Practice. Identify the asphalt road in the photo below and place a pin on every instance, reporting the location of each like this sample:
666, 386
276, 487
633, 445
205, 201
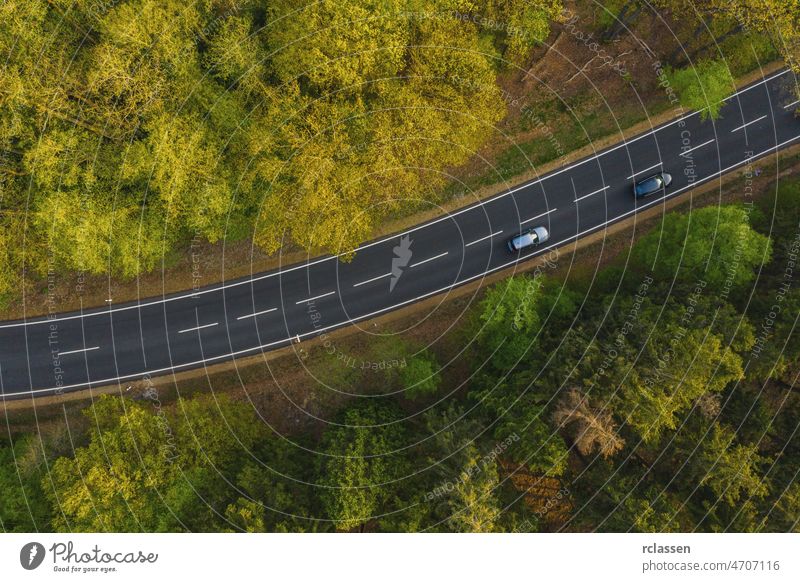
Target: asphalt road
126, 342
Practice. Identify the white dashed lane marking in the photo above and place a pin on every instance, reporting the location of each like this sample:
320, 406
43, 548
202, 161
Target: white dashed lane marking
198, 327
592, 193
378, 278
499, 232
428, 260
697, 147
78, 351
658, 165
539, 216
257, 313
315, 298
749, 123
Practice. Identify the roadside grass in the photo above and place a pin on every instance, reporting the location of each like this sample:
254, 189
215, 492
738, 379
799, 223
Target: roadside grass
592, 126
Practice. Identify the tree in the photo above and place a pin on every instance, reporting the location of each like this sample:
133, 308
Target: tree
136, 126
731, 471
774, 18
527, 24
150, 469
784, 515
361, 464
342, 45
591, 429
7, 274
421, 376
669, 376
473, 505
115, 483
715, 245
23, 507
703, 86
463, 496
508, 321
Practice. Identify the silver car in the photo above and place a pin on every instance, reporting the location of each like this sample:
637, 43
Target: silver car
528, 238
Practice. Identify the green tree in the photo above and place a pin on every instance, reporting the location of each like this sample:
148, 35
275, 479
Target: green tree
524, 24
463, 494
421, 376
150, 469
730, 470
23, 507
660, 367
473, 505
362, 463
703, 86
509, 321
715, 245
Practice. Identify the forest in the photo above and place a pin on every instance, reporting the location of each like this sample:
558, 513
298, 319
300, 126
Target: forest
129, 128
661, 397
658, 396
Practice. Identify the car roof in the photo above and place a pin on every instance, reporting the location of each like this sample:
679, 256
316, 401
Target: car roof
650, 183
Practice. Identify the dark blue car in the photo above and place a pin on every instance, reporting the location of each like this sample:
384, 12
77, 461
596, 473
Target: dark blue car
652, 184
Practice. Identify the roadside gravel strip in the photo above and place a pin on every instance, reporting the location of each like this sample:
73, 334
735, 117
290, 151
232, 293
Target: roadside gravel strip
125, 342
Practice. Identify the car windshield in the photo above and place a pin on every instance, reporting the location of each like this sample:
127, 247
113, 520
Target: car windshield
650, 184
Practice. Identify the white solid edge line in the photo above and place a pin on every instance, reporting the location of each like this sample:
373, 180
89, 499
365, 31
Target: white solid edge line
593, 193
428, 260
394, 236
541, 251
749, 123
315, 298
469, 244
198, 327
658, 165
371, 280
697, 147
257, 313
538, 216
78, 351
791, 104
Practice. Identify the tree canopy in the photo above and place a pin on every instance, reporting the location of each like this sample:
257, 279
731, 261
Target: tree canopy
131, 127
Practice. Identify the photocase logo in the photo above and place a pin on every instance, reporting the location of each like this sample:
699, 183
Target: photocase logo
31, 555
402, 255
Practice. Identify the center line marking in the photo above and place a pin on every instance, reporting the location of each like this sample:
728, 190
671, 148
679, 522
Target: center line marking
78, 351
314, 298
539, 216
658, 165
257, 313
483, 239
791, 104
428, 260
373, 279
749, 123
696, 147
593, 193
198, 328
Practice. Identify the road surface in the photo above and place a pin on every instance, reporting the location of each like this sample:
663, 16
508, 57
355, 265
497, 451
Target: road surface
126, 342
